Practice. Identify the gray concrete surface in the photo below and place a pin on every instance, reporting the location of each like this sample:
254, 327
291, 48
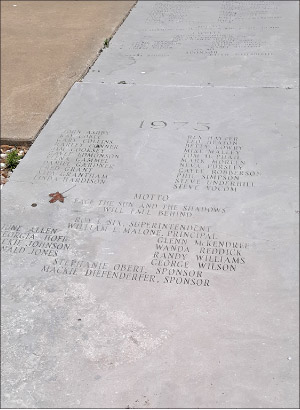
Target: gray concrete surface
45, 47
205, 43
168, 276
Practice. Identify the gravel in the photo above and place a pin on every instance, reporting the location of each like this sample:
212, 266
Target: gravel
5, 149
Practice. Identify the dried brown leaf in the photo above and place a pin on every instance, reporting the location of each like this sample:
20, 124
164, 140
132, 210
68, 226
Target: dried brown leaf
56, 197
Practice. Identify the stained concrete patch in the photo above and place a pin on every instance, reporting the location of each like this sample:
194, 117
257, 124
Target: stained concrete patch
71, 312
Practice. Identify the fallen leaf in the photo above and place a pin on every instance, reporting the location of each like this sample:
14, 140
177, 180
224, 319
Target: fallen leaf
56, 197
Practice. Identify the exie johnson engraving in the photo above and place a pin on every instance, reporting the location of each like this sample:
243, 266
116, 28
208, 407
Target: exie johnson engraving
178, 252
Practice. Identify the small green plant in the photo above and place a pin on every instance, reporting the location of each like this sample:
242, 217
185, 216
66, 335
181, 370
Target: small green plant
12, 159
106, 43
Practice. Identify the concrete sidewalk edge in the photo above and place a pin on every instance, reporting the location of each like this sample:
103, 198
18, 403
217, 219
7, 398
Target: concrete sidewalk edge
27, 142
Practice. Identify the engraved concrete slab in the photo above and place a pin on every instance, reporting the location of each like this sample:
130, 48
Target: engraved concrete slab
219, 43
167, 277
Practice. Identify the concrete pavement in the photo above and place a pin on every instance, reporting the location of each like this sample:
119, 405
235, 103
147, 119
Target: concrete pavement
46, 47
